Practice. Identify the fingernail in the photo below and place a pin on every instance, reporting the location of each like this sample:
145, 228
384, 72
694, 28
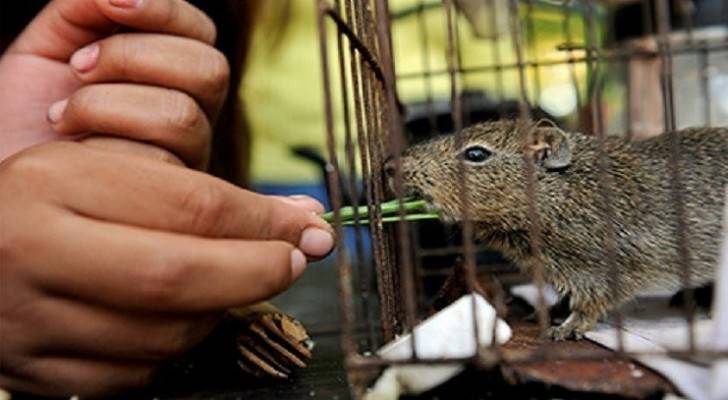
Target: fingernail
84, 60
298, 263
126, 3
316, 242
308, 203
56, 111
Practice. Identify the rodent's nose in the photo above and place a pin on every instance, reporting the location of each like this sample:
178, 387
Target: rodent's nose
389, 167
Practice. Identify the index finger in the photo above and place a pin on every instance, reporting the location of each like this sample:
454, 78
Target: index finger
176, 17
149, 194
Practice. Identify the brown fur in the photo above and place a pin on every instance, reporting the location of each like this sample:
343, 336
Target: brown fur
571, 208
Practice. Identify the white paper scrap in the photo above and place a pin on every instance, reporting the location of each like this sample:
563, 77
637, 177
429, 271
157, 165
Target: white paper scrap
448, 334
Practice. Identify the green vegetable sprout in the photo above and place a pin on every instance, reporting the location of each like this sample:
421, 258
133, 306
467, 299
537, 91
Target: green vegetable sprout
414, 210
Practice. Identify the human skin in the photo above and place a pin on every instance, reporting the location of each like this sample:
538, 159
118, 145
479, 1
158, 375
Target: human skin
113, 256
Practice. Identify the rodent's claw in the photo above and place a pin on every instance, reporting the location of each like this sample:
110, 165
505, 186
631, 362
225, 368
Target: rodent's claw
561, 333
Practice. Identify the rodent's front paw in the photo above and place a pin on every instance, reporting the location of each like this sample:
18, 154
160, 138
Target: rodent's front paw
561, 332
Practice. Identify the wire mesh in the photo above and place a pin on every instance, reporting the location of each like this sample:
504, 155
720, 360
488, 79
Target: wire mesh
616, 64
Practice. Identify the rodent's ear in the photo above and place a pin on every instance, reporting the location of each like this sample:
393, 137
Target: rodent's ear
550, 148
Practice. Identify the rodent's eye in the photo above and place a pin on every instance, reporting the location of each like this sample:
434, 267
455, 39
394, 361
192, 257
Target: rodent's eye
476, 154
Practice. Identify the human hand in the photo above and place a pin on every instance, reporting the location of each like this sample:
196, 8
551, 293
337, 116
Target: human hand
160, 82
112, 263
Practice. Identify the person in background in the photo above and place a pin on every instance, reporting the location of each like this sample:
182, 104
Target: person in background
117, 249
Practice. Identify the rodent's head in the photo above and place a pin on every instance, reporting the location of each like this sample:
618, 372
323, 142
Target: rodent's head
492, 157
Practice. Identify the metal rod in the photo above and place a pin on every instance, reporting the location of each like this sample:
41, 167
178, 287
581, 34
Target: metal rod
674, 164
534, 231
345, 290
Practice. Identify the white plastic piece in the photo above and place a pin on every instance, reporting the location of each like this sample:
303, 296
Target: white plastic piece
4, 395
448, 334
529, 293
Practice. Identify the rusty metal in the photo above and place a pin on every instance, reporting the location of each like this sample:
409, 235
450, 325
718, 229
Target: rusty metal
345, 275
681, 234
606, 55
388, 297
601, 373
524, 113
605, 181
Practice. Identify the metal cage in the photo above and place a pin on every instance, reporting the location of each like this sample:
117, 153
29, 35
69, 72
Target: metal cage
620, 62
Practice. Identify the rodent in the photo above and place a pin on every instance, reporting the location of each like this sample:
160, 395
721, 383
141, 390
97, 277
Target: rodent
570, 206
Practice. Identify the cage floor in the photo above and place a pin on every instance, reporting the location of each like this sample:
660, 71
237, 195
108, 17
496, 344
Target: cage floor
313, 300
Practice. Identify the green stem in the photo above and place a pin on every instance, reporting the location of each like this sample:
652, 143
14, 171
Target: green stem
414, 210
385, 220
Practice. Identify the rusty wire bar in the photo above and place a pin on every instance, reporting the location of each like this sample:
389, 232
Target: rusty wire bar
497, 61
569, 38
345, 289
453, 62
604, 165
362, 282
396, 144
426, 67
534, 231
682, 235
606, 55
359, 362
531, 40
372, 87
355, 66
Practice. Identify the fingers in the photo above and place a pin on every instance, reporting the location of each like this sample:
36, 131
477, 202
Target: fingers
164, 117
164, 272
175, 17
69, 376
306, 202
152, 195
130, 147
161, 60
109, 334
64, 26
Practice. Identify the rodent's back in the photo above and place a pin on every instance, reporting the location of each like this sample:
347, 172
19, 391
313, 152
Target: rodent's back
703, 176
643, 208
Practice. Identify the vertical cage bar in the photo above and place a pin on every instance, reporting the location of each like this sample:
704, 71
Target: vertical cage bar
396, 145
533, 57
535, 234
678, 200
355, 66
604, 166
351, 165
345, 284
497, 59
569, 38
426, 66
453, 66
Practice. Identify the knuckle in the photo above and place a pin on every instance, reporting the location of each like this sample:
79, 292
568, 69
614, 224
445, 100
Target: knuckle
186, 114
125, 50
167, 157
142, 378
217, 73
80, 101
208, 29
279, 277
171, 13
162, 282
135, 379
206, 206
31, 167
170, 345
